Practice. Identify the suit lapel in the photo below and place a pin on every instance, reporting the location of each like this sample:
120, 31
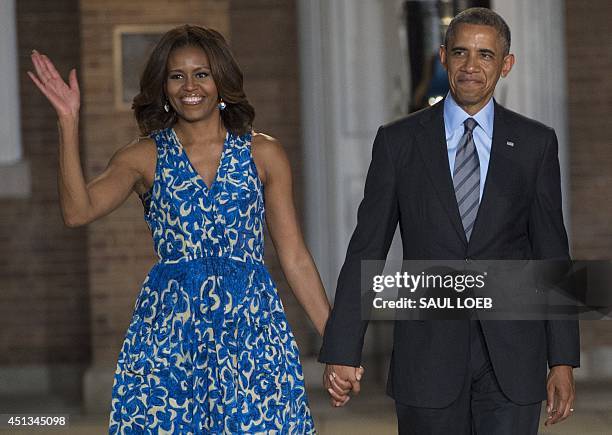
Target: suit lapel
432, 145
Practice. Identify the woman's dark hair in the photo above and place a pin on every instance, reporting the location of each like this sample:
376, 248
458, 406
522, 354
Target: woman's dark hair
484, 17
148, 105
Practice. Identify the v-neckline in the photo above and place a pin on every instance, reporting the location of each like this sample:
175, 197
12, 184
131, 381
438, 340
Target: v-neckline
194, 170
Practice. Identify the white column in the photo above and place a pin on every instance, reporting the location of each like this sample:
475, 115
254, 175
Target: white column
10, 139
537, 85
14, 170
350, 58
318, 230
351, 82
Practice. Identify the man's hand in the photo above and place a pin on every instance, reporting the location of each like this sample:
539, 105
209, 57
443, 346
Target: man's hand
561, 394
340, 380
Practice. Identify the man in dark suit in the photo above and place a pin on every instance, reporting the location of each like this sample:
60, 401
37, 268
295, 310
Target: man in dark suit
465, 179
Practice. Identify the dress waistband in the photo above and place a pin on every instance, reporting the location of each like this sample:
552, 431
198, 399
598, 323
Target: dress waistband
190, 259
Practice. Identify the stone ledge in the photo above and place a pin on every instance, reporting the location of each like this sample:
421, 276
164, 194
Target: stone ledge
16, 180
60, 379
97, 388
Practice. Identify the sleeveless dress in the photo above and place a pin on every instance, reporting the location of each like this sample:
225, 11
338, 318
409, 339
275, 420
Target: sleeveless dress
209, 349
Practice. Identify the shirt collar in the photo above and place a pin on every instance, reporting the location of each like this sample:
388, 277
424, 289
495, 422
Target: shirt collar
454, 116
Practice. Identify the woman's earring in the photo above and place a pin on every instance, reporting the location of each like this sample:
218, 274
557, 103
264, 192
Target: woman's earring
222, 104
167, 107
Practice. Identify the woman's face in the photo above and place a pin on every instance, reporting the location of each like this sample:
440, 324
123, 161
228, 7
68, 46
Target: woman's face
190, 88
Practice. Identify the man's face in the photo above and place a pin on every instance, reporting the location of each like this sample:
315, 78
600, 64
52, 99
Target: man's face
474, 61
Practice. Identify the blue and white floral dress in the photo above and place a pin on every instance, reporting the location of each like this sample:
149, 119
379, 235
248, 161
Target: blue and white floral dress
209, 349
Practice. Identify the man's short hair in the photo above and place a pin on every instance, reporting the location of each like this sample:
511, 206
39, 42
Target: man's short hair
484, 17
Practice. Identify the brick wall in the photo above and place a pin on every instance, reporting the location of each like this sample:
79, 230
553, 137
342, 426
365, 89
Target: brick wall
43, 265
589, 63
120, 251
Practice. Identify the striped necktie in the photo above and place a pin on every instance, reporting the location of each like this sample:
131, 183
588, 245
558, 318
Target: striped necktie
466, 178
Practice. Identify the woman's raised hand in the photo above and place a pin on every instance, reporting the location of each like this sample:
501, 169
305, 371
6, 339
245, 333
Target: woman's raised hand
65, 97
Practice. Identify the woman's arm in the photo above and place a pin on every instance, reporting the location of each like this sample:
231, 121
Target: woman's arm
80, 202
295, 260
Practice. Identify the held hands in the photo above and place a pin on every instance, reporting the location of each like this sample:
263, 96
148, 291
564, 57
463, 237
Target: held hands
65, 98
560, 394
340, 380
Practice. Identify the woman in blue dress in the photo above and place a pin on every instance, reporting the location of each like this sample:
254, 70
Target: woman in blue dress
208, 349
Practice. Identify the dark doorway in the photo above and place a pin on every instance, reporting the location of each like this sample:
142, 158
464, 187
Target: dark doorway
426, 23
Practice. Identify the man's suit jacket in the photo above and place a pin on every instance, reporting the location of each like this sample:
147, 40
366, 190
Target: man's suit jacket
519, 217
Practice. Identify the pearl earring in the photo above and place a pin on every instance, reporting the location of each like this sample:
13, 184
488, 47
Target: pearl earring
222, 104
167, 107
